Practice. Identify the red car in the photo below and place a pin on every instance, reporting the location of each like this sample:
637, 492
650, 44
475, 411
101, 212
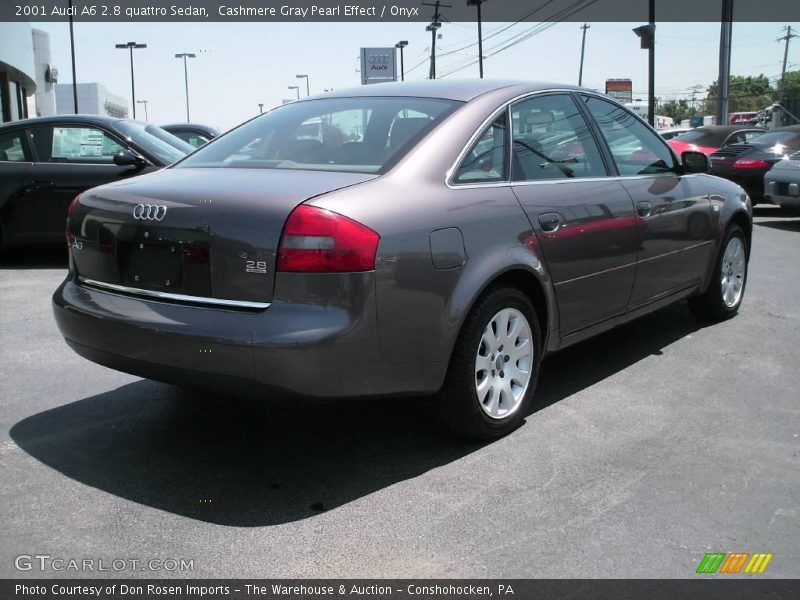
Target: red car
710, 138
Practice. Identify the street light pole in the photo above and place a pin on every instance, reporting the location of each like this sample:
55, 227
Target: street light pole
261, 108
184, 56
402, 44
146, 118
308, 88
478, 3
72, 48
132, 46
296, 89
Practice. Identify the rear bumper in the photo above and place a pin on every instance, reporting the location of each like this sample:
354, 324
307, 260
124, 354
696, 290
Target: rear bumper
775, 183
290, 349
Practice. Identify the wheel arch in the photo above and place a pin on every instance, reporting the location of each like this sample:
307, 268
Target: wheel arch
534, 284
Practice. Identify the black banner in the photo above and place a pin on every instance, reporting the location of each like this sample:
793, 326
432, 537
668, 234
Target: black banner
395, 10
401, 589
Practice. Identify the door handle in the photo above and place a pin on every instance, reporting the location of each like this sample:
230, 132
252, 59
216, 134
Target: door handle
550, 222
32, 186
643, 208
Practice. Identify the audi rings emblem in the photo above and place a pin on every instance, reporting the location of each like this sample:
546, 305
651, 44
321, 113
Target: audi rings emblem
149, 212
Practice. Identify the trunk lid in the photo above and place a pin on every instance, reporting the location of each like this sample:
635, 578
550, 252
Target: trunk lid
210, 232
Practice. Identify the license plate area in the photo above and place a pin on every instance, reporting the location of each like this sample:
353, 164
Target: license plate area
165, 260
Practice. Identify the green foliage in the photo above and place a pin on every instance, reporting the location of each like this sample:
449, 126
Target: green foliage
678, 110
745, 94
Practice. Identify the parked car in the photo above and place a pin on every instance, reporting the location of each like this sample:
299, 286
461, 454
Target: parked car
710, 138
673, 132
192, 133
746, 164
782, 183
445, 252
45, 162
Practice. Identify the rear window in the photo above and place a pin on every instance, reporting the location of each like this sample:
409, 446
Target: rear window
703, 137
785, 138
361, 135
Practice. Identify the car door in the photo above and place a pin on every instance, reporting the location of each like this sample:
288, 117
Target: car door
70, 158
15, 161
673, 211
584, 221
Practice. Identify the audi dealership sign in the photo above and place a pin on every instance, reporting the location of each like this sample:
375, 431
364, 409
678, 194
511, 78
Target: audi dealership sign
378, 65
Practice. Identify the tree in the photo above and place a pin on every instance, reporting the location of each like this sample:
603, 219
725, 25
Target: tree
678, 110
792, 84
745, 94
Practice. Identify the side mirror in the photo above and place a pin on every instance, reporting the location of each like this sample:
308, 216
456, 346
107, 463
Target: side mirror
128, 158
694, 162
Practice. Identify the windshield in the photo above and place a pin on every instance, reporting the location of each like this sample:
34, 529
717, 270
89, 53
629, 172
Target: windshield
164, 146
360, 135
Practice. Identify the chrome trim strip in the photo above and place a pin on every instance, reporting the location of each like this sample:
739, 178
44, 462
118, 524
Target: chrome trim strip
635, 263
178, 297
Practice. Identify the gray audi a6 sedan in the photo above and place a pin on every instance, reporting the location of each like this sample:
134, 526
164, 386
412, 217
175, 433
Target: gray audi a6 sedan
400, 239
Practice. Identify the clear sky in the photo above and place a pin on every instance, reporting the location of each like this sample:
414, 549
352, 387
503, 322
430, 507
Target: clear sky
248, 63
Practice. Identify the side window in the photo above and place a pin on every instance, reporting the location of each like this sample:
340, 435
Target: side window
12, 147
75, 144
636, 149
551, 140
487, 160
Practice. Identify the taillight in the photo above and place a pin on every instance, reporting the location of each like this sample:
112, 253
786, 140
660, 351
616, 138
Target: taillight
751, 163
316, 240
71, 211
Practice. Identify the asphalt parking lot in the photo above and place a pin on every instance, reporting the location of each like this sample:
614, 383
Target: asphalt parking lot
648, 447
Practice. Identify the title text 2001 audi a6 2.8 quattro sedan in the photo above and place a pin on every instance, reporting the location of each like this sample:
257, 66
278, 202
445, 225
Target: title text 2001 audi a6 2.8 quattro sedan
410, 238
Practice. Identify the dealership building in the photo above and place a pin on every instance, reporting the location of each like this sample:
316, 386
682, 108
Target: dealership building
29, 81
17, 72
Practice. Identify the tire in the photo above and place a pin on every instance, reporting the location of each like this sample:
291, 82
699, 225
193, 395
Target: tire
725, 293
488, 400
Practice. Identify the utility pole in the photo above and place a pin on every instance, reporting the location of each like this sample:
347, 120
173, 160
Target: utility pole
583, 48
723, 81
478, 3
433, 28
72, 47
789, 35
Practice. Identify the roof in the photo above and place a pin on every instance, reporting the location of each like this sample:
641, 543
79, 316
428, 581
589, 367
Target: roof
728, 128
450, 89
192, 127
91, 119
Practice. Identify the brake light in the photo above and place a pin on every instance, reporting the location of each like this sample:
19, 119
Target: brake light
750, 163
71, 211
316, 240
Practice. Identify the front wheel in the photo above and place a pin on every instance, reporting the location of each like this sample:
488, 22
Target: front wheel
494, 367
724, 295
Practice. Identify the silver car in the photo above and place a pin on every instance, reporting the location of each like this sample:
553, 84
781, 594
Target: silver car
782, 182
434, 238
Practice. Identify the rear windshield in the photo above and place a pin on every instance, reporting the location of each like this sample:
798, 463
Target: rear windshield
361, 135
703, 137
786, 138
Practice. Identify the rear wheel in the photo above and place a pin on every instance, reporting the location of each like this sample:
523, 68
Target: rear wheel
494, 366
724, 295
